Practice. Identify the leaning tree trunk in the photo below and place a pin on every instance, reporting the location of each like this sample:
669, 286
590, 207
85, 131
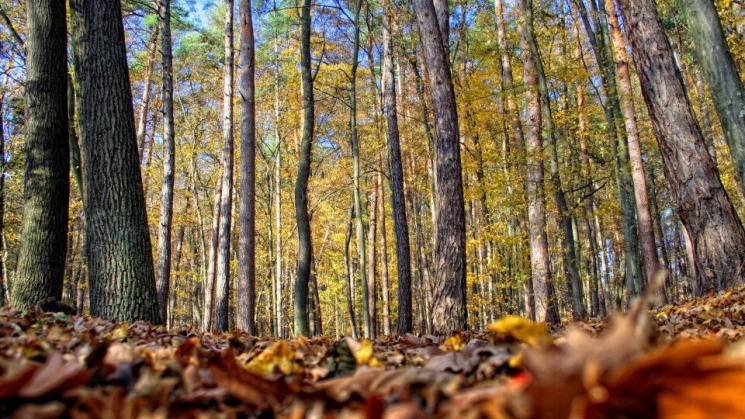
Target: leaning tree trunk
226, 202
717, 236
722, 77
120, 260
169, 156
305, 246
400, 224
46, 187
449, 309
647, 247
247, 224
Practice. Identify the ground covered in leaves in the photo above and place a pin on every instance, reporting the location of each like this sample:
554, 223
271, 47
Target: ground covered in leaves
678, 361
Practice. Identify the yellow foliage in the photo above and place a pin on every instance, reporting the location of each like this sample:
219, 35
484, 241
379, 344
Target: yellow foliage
365, 354
276, 358
523, 330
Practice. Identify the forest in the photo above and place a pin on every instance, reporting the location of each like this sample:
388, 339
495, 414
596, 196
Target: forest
372, 208
363, 168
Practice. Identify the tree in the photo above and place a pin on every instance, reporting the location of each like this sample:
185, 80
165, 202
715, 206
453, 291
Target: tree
226, 163
400, 225
354, 141
43, 246
169, 156
120, 260
722, 77
545, 301
705, 210
247, 221
449, 311
304, 245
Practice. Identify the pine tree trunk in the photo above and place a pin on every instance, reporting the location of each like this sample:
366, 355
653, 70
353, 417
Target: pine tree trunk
449, 310
120, 260
647, 248
400, 223
305, 246
169, 157
717, 236
247, 225
383, 256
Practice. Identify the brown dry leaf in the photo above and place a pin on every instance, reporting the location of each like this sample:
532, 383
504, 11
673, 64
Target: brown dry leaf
690, 379
244, 385
56, 374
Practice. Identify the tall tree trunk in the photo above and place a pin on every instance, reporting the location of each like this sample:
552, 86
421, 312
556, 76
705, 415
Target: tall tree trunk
169, 156
145, 100
120, 259
545, 301
449, 311
400, 224
3, 267
176, 268
372, 293
349, 275
722, 77
569, 252
383, 255
717, 236
647, 248
354, 141
305, 245
43, 239
602, 48
209, 285
277, 196
222, 278
247, 222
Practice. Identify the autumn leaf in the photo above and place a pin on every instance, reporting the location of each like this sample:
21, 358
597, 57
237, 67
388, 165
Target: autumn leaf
277, 358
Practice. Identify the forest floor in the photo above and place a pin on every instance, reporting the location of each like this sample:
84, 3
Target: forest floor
681, 360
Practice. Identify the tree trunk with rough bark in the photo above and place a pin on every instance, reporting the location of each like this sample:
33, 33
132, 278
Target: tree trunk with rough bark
163, 273
716, 234
449, 310
400, 223
43, 239
247, 222
120, 259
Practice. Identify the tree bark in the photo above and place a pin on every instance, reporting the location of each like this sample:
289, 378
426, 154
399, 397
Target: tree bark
449, 311
722, 77
305, 245
209, 285
383, 255
169, 157
43, 239
400, 224
222, 278
647, 248
354, 141
247, 222
717, 236
545, 301
120, 260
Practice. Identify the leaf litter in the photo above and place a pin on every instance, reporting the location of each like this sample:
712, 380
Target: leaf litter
682, 360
